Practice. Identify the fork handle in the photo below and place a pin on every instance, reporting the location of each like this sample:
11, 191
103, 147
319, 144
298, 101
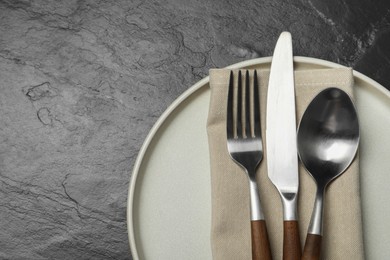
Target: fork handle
291, 241
260, 244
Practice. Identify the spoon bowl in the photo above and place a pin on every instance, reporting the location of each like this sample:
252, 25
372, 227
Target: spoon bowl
328, 139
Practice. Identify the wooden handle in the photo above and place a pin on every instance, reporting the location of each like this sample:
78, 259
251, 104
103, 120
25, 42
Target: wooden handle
291, 241
312, 248
260, 244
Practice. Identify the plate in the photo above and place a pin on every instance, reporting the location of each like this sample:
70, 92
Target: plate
169, 203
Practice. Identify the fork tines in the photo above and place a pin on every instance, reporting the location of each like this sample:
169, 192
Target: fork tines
247, 123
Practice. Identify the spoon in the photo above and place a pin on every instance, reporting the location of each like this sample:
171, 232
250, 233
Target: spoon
328, 139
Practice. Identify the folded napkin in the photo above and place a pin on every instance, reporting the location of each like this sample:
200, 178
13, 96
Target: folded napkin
230, 231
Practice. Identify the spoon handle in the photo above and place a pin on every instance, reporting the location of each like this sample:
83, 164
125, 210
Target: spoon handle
312, 248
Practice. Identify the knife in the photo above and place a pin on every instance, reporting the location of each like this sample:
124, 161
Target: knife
281, 141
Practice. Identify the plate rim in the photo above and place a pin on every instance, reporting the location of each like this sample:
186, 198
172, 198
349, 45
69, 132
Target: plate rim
198, 85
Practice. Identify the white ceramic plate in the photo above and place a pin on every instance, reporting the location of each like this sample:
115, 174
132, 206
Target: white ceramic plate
169, 204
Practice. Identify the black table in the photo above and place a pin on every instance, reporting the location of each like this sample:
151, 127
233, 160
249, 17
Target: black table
82, 82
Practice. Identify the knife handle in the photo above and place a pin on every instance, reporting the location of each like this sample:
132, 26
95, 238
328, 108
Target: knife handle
291, 241
312, 248
261, 249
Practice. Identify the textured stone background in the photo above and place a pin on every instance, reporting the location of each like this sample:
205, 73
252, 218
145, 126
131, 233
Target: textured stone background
82, 82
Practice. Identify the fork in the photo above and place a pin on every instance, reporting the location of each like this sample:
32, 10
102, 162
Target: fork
245, 147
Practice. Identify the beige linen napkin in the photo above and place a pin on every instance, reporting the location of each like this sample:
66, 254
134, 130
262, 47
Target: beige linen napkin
230, 232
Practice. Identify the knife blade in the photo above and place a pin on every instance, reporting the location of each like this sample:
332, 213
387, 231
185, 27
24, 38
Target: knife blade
281, 142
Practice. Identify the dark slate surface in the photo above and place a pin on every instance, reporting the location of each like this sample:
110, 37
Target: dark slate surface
82, 82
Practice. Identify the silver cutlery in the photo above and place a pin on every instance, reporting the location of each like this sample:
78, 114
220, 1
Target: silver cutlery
244, 142
328, 139
281, 144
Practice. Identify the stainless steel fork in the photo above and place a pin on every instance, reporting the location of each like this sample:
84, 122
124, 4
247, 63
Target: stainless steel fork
245, 147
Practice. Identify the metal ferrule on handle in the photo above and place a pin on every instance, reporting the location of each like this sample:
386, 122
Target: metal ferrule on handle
256, 210
315, 226
289, 201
